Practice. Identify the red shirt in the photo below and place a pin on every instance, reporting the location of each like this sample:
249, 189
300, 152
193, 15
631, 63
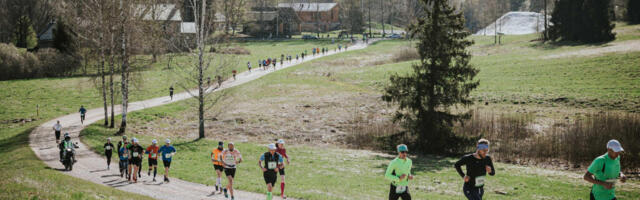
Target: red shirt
153, 152
282, 152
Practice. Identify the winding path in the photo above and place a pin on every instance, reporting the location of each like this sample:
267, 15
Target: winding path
91, 166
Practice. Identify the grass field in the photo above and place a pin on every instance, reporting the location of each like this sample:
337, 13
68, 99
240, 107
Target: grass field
334, 173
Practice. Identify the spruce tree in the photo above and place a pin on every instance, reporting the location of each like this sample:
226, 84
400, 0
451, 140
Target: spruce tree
633, 11
443, 79
588, 21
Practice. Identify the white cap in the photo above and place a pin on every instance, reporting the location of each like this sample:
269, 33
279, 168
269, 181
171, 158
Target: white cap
154, 141
614, 145
135, 140
108, 139
230, 143
271, 146
280, 141
167, 141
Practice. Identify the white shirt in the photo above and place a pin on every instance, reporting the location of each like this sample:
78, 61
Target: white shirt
57, 127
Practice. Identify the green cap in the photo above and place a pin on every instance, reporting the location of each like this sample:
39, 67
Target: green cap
402, 147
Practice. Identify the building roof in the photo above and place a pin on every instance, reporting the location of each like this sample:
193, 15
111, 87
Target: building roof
47, 34
266, 15
309, 7
163, 12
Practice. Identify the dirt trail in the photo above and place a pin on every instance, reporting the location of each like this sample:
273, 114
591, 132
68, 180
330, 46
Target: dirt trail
91, 166
626, 46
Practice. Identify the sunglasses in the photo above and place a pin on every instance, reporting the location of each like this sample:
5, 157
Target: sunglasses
403, 152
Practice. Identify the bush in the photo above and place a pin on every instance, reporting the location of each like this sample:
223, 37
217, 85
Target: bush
15, 64
405, 54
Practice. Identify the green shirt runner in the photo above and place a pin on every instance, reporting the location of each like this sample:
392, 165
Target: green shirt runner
604, 168
397, 168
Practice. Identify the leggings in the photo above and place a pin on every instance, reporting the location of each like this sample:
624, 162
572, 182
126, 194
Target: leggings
395, 196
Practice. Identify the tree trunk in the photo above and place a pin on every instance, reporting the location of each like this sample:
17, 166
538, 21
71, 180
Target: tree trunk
125, 76
104, 88
201, 36
111, 72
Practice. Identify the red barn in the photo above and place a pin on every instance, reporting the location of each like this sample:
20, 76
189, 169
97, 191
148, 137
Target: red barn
316, 16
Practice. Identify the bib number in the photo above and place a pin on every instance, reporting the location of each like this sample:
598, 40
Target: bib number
167, 155
229, 160
271, 165
480, 181
108, 148
153, 155
135, 154
401, 189
612, 181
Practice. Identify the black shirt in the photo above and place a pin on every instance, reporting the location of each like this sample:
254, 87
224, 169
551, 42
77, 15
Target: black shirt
136, 148
271, 158
108, 151
475, 167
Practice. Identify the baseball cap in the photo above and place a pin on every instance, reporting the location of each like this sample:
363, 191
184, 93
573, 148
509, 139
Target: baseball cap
167, 141
135, 140
280, 141
402, 147
220, 143
614, 145
230, 143
154, 141
271, 146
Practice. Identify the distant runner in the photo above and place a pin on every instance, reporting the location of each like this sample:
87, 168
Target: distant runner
57, 129
171, 92
136, 158
216, 158
82, 113
167, 152
249, 66
231, 157
274, 63
399, 173
604, 172
478, 165
234, 74
153, 158
123, 153
272, 162
283, 152
108, 150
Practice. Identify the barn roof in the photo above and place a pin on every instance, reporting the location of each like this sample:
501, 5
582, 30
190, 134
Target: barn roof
309, 7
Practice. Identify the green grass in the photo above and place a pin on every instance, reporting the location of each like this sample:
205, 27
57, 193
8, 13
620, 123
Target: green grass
333, 173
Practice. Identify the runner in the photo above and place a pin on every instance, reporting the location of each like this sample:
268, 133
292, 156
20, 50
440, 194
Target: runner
270, 168
167, 152
283, 152
108, 150
339, 47
171, 92
123, 153
234, 74
57, 128
219, 78
124, 164
274, 63
82, 113
399, 173
249, 66
604, 172
259, 64
314, 51
153, 158
216, 158
478, 165
136, 158
281, 58
296, 57
346, 47
264, 64
231, 157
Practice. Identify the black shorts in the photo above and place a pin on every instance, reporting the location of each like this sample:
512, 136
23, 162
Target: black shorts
270, 177
281, 171
57, 135
218, 167
230, 172
153, 162
167, 164
136, 161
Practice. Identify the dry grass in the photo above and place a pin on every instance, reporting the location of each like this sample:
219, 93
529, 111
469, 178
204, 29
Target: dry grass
406, 54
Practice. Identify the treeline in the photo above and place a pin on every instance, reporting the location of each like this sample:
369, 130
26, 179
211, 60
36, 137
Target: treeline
587, 21
18, 64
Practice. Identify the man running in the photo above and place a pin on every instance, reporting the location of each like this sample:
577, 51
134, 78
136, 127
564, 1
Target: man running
296, 57
123, 153
82, 113
136, 158
108, 150
57, 129
167, 152
153, 158
234, 74
281, 58
231, 157
249, 66
478, 165
216, 158
604, 172
272, 162
274, 63
399, 173
171, 92
283, 152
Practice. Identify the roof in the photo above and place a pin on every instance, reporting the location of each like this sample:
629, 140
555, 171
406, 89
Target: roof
163, 12
188, 27
47, 34
266, 15
309, 7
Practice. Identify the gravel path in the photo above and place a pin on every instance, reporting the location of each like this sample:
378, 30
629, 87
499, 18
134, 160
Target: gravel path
91, 166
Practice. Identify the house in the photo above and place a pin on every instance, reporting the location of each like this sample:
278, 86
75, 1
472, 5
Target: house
316, 16
272, 22
45, 38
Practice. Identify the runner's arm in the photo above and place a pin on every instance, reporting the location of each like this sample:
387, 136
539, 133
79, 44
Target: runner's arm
493, 170
458, 167
388, 174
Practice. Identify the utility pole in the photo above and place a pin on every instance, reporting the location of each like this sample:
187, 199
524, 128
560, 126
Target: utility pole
369, 2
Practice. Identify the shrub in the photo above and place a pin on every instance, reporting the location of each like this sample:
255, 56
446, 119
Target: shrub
47, 62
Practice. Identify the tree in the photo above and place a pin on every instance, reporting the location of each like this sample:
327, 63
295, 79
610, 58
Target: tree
40, 13
64, 39
633, 11
442, 79
587, 21
351, 16
25, 36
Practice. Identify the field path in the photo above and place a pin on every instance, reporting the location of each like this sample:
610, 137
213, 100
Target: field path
614, 47
91, 166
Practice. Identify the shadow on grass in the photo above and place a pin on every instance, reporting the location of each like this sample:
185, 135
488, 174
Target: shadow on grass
423, 163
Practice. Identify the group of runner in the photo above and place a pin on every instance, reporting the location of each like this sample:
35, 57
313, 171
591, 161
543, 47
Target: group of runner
603, 172
131, 155
271, 163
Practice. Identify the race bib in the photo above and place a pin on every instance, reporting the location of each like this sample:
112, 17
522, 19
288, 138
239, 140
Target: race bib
125, 156
401, 189
167, 155
108, 148
612, 181
230, 160
480, 181
153, 155
271, 165
135, 154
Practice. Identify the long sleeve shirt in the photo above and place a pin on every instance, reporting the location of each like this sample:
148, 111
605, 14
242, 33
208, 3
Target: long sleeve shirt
398, 167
